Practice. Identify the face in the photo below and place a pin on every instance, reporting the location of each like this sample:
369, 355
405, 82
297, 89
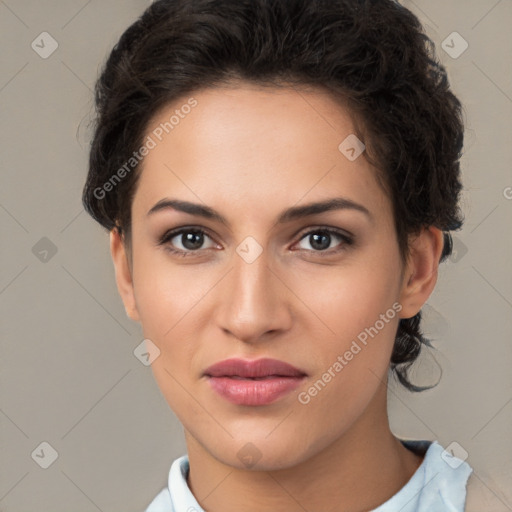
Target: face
321, 292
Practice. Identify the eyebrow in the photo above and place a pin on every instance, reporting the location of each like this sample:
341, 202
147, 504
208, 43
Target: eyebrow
288, 215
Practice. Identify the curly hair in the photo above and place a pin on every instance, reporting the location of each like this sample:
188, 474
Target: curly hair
372, 55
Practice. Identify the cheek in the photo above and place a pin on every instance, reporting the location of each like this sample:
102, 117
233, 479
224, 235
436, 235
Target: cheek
166, 294
351, 365
347, 299
168, 300
357, 315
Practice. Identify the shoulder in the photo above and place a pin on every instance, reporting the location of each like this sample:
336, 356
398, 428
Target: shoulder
177, 495
439, 483
161, 503
446, 477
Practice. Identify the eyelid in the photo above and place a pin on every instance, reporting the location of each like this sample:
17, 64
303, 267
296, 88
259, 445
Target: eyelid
324, 227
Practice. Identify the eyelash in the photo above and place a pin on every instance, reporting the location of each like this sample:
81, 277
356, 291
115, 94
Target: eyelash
169, 235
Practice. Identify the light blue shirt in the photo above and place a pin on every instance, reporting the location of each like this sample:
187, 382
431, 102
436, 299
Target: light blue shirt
438, 485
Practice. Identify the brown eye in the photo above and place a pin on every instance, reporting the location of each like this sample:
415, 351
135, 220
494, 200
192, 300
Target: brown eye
185, 241
320, 240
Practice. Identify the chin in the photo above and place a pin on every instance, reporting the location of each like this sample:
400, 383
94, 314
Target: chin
253, 453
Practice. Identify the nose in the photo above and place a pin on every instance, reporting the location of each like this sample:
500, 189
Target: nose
254, 301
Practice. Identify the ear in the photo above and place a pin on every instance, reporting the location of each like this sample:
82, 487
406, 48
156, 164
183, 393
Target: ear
420, 275
123, 274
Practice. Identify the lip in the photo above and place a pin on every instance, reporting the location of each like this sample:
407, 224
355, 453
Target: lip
253, 368
258, 382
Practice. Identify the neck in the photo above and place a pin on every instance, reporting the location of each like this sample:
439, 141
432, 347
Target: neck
362, 469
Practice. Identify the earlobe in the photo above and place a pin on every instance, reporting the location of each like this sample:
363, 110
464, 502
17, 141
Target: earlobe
123, 274
420, 275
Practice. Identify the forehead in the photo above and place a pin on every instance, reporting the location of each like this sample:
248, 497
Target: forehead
254, 146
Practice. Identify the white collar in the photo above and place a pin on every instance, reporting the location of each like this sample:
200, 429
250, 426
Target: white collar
438, 485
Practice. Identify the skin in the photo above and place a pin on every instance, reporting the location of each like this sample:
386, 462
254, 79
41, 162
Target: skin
249, 153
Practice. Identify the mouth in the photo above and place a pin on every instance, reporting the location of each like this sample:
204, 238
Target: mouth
237, 377
253, 383
257, 369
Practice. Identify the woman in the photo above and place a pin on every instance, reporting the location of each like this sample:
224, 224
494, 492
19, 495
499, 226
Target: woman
279, 179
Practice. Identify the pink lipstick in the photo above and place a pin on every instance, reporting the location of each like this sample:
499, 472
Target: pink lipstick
258, 382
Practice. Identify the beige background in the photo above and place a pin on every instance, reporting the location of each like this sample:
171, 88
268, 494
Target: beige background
69, 376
